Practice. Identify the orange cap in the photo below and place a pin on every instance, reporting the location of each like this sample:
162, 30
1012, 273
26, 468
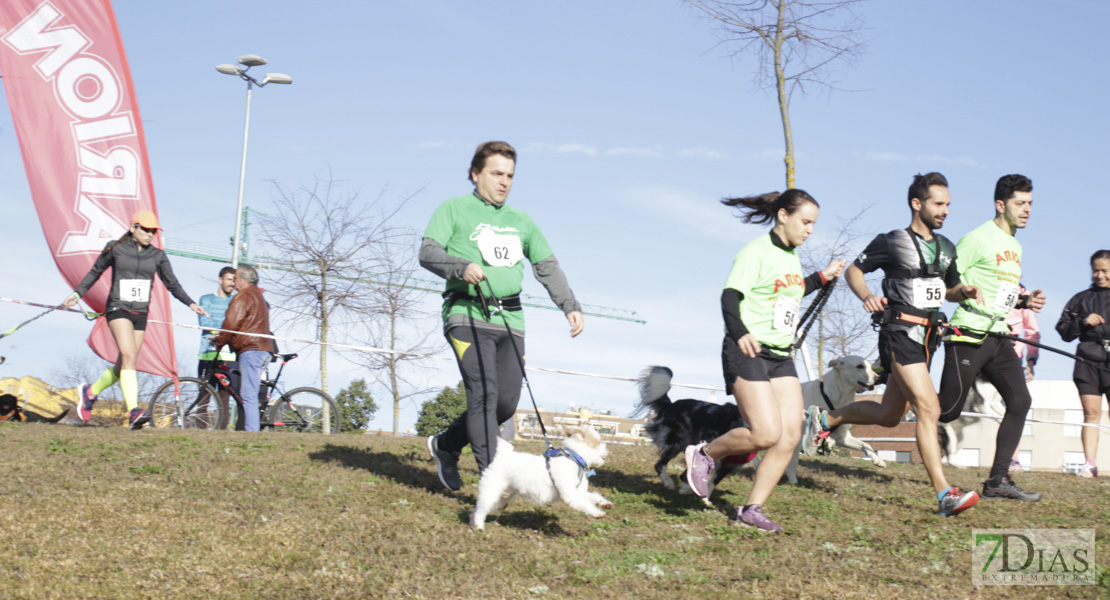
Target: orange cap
145, 218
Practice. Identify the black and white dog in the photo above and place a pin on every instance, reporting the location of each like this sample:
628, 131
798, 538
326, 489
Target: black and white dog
675, 425
982, 398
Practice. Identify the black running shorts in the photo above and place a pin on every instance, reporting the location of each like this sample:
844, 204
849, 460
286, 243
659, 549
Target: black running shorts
905, 350
138, 320
764, 367
1091, 380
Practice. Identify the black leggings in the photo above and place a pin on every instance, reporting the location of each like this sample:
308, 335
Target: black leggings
995, 360
492, 377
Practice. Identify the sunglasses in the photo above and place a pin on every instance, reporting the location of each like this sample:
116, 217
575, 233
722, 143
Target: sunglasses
150, 230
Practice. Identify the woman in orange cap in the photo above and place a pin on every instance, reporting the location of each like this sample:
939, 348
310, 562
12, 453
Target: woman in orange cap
134, 262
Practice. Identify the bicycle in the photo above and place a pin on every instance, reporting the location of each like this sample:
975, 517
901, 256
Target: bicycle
198, 405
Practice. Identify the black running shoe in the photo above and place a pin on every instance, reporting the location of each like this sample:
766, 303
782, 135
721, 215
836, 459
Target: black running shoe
447, 463
1004, 487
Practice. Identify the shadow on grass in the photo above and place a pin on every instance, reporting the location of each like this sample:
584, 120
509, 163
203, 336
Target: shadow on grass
839, 470
408, 469
651, 492
524, 520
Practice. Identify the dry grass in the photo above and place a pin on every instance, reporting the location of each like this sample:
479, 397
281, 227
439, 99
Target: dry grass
97, 512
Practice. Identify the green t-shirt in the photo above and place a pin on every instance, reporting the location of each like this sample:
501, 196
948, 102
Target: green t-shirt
771, 281
494, 237
990, 260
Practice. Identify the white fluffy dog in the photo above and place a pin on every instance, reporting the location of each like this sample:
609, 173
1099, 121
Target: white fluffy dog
846, 376
515, 473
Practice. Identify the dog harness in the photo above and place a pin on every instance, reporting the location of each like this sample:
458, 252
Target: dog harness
584, 469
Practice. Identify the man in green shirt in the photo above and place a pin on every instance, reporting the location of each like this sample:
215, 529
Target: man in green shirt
990, 260
477, 242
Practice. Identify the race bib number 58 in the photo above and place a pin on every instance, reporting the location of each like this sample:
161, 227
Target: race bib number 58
1007, 297
786, 315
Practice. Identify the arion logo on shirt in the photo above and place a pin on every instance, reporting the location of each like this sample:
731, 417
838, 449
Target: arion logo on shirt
1007, 256
787, 281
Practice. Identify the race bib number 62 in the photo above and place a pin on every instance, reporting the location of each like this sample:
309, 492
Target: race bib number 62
499, 249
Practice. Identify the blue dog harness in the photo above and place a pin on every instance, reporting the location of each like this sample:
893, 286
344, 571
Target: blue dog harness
583, 468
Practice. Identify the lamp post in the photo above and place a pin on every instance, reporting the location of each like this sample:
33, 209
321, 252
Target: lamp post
247, 61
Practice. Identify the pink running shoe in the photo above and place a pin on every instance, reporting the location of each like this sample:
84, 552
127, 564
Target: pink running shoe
699, 469
85, 401
752, 516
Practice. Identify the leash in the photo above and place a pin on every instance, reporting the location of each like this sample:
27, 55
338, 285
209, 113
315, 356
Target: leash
1096, 364
818, 303
484, 303
49, 309
551, 451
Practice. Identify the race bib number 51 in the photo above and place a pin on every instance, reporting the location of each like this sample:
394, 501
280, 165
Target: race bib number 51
134, 290
786, 315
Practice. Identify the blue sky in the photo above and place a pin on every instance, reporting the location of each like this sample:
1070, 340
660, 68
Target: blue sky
630, 125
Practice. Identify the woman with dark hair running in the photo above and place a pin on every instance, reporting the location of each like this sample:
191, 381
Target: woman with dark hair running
1087, 317
133, 262
760, 304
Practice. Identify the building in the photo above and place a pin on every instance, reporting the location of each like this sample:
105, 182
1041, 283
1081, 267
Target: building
613, 429
1045, 446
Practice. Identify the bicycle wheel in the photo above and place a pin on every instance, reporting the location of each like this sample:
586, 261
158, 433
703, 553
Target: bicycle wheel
193, 405
305, 410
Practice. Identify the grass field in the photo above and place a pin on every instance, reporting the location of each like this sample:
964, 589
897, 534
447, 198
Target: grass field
94, 512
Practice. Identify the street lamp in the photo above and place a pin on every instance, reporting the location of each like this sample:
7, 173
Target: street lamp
247, 61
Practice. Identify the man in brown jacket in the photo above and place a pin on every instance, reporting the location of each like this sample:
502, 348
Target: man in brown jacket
248, 313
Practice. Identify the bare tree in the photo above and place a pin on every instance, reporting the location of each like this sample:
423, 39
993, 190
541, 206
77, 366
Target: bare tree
326, 242
402, 322
798, 44
842, 327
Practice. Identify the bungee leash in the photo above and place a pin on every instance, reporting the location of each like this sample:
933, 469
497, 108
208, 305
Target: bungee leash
49, 309
551, 451
814, 307
1006, 336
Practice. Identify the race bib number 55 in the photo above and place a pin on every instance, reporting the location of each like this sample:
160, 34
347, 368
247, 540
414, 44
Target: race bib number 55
928, 293
134, 290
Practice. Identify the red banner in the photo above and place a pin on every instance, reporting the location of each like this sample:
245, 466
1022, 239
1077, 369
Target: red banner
74, 108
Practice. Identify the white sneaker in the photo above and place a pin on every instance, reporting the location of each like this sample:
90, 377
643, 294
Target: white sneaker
1088, 470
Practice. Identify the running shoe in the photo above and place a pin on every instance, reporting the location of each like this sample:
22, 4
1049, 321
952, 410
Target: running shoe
699, 469
85, 401
1088, 470
447, 464
1015, 465
752, 516
1004, 487
138, 418
812, 428
954, 503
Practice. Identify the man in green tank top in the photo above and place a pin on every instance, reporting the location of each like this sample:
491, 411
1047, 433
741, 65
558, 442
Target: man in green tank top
477, 243
990, 259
